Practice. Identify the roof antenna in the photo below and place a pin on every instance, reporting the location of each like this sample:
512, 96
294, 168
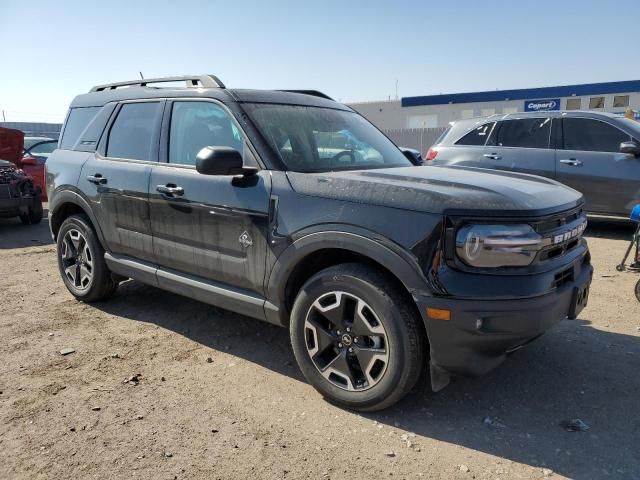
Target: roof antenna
141, 76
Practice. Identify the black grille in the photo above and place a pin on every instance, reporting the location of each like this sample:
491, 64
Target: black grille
563, 277
557, 221
559, 224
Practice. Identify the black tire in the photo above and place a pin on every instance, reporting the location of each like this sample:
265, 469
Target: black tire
33, 215
36, 212
404, 336
25, 218
638, 290
101, 285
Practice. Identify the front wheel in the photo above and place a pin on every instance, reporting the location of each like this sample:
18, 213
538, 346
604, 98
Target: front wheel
33, 215
356, 338
81, 261
638, 290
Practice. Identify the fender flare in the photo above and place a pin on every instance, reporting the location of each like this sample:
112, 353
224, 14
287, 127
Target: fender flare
395, 261
69, 196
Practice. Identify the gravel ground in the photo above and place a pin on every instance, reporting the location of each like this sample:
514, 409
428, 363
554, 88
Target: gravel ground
219, 395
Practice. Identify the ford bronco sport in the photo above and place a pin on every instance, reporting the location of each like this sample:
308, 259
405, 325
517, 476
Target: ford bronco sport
289, 207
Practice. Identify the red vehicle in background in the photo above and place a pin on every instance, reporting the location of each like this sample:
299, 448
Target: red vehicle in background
36, 153
11, 144
19, 196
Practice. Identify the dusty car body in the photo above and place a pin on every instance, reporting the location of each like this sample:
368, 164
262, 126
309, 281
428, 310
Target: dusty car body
292, 208
596, 153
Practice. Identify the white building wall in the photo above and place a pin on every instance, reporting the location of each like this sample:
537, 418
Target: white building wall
384, 115
390, 115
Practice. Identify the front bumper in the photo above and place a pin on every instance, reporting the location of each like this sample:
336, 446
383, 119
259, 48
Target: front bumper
13, 203
12, 207
480, 333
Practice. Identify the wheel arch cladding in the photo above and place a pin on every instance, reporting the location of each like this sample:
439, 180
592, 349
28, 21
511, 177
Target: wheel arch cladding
314, 252
70, 203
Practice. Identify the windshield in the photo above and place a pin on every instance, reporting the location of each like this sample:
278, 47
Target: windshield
41, 151
312, 139
31, 141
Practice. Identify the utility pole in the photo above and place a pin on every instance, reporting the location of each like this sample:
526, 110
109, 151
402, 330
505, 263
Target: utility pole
4, 119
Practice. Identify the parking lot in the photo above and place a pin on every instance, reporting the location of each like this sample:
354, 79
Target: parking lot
161, 386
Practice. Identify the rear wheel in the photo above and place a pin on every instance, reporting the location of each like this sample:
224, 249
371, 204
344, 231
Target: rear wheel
81, 261
638, 290
355, 337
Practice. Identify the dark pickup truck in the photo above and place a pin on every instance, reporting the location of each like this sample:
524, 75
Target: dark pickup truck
290, 207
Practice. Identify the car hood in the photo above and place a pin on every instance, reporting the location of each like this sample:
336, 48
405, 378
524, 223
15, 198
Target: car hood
454, 190
11, 145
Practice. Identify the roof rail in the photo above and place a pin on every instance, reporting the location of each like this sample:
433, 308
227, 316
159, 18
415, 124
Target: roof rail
314, 93
191, 81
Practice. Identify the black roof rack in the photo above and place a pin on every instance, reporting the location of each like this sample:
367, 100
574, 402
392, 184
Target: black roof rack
314, 93
191, 81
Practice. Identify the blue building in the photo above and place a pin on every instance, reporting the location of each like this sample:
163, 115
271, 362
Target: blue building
436, 111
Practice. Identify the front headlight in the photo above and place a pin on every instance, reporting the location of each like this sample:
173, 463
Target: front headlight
497, 245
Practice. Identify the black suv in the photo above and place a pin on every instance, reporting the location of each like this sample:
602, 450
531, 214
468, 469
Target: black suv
290, 207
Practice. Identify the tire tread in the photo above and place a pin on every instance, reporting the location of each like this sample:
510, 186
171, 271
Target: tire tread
415, 344
103, 285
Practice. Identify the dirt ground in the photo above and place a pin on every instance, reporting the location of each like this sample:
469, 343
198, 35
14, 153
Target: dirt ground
220, 396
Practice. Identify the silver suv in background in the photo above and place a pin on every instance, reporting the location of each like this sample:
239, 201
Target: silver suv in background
595, 153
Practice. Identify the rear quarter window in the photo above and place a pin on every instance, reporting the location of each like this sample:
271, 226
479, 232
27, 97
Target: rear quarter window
76, 123
478, 136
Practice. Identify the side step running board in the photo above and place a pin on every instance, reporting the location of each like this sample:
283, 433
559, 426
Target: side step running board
198, 288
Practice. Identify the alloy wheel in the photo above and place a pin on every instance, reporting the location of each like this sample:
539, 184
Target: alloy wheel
346, 341
77, 259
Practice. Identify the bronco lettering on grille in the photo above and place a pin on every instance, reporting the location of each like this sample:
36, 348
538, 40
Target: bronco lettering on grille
570, 234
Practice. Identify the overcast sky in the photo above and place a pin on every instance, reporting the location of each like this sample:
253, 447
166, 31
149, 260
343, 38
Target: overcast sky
352, 50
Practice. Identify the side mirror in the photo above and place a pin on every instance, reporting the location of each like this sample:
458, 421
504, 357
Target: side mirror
413, 156
29, 161
221, 161
631, 148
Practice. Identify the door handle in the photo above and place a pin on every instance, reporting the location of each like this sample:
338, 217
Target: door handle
170, 189
572, 162
492, 156
97, 179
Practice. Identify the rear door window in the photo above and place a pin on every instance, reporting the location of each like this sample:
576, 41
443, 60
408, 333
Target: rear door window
592, 135
478, 136
523, 133
77, 121
133, 131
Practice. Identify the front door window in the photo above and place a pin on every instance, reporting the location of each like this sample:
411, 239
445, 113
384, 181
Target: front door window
196, 125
